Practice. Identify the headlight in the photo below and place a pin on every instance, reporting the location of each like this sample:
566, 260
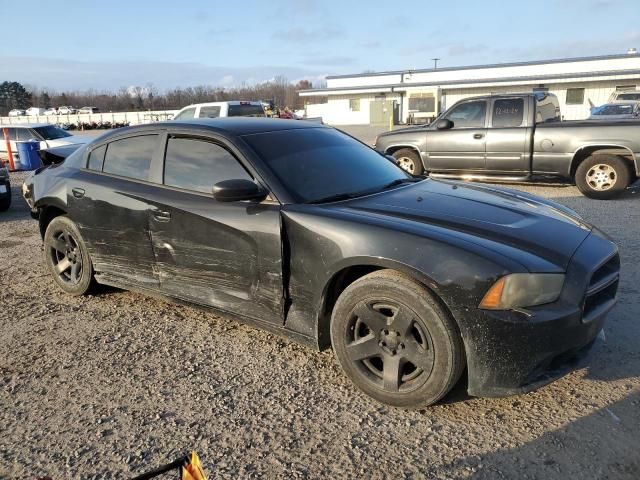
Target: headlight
523, 290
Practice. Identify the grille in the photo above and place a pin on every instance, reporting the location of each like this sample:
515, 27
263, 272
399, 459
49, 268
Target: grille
602, 289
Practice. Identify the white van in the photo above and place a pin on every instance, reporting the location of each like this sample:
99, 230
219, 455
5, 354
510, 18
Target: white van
221, 109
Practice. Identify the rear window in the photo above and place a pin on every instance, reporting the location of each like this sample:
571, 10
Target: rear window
246, 111
628, 96
508, 112
613, 109
131, 157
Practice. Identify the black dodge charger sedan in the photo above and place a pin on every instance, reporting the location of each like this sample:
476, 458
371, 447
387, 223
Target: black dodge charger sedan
304, 231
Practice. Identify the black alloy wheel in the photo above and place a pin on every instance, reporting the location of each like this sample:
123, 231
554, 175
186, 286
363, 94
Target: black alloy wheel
66, 256
396, 341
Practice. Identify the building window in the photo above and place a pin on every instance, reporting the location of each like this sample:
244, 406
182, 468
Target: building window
625, 88
422, 102
354, 104
575, 96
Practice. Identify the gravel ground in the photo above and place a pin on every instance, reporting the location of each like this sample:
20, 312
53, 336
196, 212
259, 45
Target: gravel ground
112, 385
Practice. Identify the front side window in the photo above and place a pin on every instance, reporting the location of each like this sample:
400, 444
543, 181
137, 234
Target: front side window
186, 114
508, 112
468, 115
131, 157
24, 135
209, 112
195, 164
575, 96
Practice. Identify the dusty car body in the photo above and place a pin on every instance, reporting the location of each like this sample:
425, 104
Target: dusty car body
284, 254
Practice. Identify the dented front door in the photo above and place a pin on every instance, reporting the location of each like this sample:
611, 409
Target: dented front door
225, 255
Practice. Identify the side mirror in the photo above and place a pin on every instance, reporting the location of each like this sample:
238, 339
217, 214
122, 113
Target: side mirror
392, 159
444, 124
238, 189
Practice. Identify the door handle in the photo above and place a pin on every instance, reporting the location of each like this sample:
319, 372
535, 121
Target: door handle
478, 136
162, 216
78, 192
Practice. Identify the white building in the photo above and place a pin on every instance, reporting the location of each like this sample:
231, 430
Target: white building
416, 95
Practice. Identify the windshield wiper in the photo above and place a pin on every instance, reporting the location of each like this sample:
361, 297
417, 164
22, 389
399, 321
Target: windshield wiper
347, 196
334, 198
400, 181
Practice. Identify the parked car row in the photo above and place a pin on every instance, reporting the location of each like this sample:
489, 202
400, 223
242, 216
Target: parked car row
64, 110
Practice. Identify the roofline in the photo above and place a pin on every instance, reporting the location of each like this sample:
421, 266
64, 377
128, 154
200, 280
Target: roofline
536, 78
492, 65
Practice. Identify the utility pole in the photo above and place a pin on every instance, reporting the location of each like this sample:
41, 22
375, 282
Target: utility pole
435, 63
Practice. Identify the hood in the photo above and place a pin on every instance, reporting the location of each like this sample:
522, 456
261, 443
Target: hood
525, 222
72, 140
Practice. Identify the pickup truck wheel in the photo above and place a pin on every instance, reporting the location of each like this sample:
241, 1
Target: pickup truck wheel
395, 341
67, 258
409, 160
603, 176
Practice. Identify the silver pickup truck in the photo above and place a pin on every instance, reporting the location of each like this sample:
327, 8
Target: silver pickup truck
520, 137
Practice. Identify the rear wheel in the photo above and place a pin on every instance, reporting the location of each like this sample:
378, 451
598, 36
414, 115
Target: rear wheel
67, 257
603, 176
395, 341
409, 160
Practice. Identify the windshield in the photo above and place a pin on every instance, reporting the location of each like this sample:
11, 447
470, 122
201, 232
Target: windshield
318, 163
51, 132
613, 109
246, 111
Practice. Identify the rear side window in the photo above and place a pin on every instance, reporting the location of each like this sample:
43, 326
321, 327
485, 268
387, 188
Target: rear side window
195, 164
209, 112
96, 158
11, 132
185, 114
508, 112
130, 157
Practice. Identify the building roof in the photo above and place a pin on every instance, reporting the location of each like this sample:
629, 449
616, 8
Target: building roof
494, 65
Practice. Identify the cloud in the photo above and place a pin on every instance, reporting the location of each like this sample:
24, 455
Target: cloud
62, 74
303, 35
328, 61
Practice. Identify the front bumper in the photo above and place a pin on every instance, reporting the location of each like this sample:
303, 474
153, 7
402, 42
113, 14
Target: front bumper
512, 352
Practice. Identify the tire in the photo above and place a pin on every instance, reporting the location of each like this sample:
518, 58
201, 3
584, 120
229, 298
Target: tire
395, 341
5, 203
409, 161
603, 176
67, 258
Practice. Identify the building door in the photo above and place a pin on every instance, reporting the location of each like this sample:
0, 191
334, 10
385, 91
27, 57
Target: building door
381, 111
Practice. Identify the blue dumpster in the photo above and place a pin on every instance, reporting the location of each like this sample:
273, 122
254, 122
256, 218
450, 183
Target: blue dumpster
28, 155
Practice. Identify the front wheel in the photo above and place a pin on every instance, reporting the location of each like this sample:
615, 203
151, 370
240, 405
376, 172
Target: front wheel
409, 160
67, 258
395, 341
603, 176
